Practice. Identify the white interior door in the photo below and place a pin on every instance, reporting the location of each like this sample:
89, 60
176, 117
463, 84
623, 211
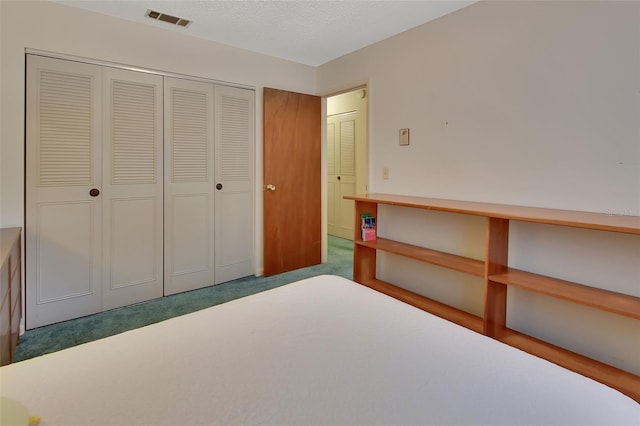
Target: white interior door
347, 158
132, 187
341, 173
189, 185
234, 171
107, 197
63, 221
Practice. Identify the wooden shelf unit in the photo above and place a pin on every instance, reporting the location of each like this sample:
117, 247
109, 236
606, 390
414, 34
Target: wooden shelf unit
446, 260
10, 292
498, 276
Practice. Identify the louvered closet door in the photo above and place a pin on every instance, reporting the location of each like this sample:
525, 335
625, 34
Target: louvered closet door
189, 185
341, 173
63, 234
132, 187
234, 166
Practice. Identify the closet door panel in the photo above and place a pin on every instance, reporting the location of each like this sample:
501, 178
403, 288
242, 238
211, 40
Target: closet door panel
132, 171
133, 242
191, 249
60, 252
234, 168
189, 185
62, 229
234, 258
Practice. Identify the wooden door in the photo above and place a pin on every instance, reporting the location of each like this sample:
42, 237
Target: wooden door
292, 181
64, 168
189, 185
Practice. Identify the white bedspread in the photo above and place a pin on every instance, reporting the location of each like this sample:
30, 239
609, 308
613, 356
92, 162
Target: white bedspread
321, 351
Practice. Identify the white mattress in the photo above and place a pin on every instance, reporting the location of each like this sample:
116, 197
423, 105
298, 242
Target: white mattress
320, 351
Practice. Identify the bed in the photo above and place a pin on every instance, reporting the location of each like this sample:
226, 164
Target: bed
321, 351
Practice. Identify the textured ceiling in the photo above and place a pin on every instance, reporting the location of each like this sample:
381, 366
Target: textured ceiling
308, 32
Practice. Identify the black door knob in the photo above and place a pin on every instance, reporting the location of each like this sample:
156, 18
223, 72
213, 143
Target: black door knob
219, 186
94, 192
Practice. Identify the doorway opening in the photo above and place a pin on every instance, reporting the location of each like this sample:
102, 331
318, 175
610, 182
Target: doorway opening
347, 158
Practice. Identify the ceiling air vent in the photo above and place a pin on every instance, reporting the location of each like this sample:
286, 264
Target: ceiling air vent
159, 16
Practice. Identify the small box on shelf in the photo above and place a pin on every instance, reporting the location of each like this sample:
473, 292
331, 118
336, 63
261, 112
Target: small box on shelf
368, 227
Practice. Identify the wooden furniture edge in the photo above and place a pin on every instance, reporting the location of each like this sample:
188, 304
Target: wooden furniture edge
579, 219
496, 260
439, 309
10, 291
624, 381
7, 238
606, 300
446, 260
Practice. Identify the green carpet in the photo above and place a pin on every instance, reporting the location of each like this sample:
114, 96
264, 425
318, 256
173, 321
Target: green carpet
63, 335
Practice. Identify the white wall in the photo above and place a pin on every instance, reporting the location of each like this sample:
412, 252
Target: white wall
60, 29
526, 103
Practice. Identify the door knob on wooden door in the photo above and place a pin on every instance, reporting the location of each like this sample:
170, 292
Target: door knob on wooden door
270, 187
94, 192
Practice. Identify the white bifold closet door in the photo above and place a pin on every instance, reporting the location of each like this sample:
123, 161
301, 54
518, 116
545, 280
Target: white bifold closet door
93, 189
63, 222
209, 163
188, 185
137, 185
234, 171
132, 213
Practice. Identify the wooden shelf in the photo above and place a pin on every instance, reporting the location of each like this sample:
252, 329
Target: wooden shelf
578, 219
8, 237
625, 382
446, 260
498, 277
442, 310
598, 298
10, 292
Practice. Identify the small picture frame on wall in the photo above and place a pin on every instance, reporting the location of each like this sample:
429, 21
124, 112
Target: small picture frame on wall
404, 137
